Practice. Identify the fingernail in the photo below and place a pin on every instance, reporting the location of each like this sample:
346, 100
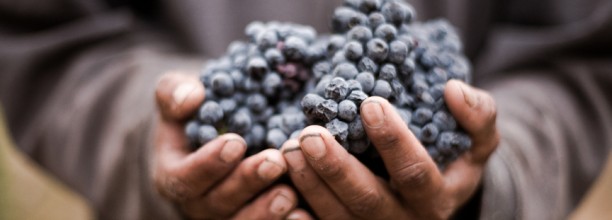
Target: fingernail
468, 95
373, 114
313, 145
232, 150
269, 170
280, 205
294, 159
294, 216
182, 91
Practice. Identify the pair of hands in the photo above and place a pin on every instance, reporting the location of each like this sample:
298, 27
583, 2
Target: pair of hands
214, 182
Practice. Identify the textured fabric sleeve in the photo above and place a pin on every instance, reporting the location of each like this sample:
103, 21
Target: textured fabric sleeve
555, 125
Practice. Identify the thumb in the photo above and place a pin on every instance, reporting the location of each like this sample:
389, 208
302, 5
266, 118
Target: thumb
178, 95
475, 111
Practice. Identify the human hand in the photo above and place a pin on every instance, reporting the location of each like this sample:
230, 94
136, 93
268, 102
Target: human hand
338, 186
213, 182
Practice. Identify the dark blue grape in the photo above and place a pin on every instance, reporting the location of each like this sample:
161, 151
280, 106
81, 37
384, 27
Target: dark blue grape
377, 50
382, 89
207, 133
367, 81
210, 113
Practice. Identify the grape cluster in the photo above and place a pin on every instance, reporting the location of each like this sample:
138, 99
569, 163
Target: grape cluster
253, 90
286, 78
379, 51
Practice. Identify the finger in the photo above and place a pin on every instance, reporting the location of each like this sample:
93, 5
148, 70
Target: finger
274, 204
181, 175
410, 167
178, 95
353, 183
475, 111
250, 177
300, 214
318, 195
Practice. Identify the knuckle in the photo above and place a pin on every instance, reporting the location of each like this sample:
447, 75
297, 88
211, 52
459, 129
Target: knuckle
366, 202
412, 176
175, 188
332, 171
388, 140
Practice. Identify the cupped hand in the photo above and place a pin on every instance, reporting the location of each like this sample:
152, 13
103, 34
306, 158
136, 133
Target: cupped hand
338, 186
213, 182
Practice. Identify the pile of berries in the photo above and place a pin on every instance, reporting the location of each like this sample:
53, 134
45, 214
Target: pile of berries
286, 78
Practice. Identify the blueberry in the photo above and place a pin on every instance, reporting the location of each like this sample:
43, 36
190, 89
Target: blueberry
407, 67
337, 89
295, 134
274, 56
339, 58
263, 116
359, 33
386, 32
429, 133
276, 121
437, 75
397, 88
346, 71
387, 72
436, 91
295, 48
347, 110
207, 133
266, 39
341, 18
228, 105
376, 19
192, 130
370, 5
327, 110
354, 85
253, 29
353, 50
377, 50
257, 67
416, 130
210, 113
275, 138
310, 102
320, 69
240, 122
292, 122
222, 84
356, 130
258, 135
236, 47
240, 61
366, 79
398, 51
444, 121
382, 89
271, 84
357, 96
405, 114
322, 85
419, 87
336, 42
396, 12
367, 65
256, 102
338, 129
422, 116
